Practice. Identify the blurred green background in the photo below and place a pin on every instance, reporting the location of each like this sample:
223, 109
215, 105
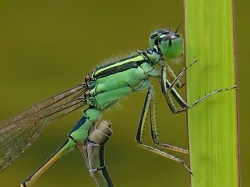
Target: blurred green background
49, 46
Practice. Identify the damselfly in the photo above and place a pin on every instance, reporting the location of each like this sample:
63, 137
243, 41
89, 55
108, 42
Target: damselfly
101, 89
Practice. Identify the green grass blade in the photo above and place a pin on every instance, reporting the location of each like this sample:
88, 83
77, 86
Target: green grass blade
213, 124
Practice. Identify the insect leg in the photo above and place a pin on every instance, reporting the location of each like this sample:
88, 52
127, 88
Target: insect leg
172, 76
169, 91
149, 107
171, 94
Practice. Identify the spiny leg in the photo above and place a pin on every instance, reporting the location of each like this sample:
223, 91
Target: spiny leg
170, 93
147, 107
207, 96
168, 96
168, 89
180, 75
154, 128
172, 76
77, 135
93, 153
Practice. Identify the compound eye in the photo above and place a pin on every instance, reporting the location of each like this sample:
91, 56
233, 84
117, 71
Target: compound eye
172, 45
169, 38
156, 37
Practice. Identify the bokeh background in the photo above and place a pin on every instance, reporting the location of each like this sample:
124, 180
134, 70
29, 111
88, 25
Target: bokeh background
49, 46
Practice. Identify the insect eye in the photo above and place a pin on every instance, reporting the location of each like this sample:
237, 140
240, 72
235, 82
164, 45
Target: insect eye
172, 45
170, 38
156, 37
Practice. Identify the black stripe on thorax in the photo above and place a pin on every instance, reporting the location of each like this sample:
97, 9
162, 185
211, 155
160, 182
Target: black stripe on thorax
119, 66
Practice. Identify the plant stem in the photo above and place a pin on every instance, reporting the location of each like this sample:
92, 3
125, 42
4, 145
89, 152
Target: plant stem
212, 124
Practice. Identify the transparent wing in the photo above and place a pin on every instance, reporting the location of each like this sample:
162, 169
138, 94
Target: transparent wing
17, 133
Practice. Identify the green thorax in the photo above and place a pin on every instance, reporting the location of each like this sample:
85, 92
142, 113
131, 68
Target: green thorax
116, 80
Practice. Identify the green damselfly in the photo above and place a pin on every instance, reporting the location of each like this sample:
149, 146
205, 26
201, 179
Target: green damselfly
101, 89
